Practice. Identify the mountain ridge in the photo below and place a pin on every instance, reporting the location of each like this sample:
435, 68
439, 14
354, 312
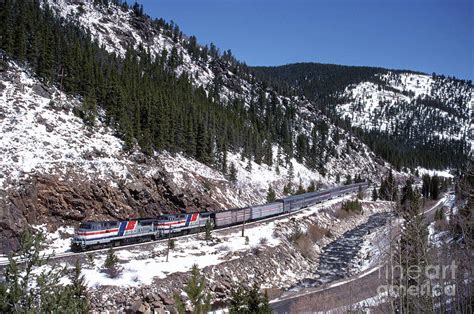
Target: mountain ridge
166, 106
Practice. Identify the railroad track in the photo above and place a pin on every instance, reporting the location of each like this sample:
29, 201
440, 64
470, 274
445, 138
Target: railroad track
69, 254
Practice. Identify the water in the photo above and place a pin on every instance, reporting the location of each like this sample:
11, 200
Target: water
338, 256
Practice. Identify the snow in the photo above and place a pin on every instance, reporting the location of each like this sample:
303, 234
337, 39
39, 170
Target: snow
419, 84
432, 172
41, 134
56, 242
141, 267
374, 107
113, 28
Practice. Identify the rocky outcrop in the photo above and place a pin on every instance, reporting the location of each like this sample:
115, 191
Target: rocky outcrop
59, 201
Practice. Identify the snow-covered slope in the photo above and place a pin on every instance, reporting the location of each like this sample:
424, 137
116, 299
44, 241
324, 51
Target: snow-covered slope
117, 29
430, 106
55, 170
40, 133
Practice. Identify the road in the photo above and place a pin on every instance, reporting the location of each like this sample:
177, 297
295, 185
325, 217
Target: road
330, 288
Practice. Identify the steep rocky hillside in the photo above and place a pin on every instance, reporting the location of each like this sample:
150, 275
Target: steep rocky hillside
57, 169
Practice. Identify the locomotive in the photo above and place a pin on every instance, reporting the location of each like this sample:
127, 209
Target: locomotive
100, 234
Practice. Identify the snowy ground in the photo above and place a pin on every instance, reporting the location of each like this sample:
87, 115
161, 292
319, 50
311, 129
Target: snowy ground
40, 133
431, 172
42, 136
141, 266
373, 107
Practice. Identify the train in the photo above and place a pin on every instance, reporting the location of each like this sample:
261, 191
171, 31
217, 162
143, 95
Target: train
100, 234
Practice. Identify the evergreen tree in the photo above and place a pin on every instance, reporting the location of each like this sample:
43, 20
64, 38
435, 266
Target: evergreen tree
374, 194
301, 189
270, 194
232, 173
348, 180
287, 189
413, 252
426, 186
434, 187
291, 173
89, 108
29, 289
238, 301
208, 230
111, 264
196, 291
249, 300
249, 164
407, 193
77, 292
311, 187
388, 189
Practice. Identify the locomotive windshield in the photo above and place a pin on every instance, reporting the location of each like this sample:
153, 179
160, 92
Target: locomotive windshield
85, 226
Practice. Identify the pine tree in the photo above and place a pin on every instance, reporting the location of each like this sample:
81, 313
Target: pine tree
291, 173
208, 230
111, 264
232, 173
348, 180
413, 252
270, 194
249, 301
434, 188
196, 291
374, 194
29, 289
249, 164
311, 187
426, 186
224, 159
89, 108
238, 301
301, 189
265, 305
77, 292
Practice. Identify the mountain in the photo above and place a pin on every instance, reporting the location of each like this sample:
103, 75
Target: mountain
408, 118
106, 113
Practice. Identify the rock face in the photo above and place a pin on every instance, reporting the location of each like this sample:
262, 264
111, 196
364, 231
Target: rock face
56, 202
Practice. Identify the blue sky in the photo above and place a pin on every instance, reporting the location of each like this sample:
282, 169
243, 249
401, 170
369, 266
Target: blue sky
424, 35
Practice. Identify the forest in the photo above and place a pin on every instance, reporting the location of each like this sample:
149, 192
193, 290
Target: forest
412, 143
143, 99
138, 95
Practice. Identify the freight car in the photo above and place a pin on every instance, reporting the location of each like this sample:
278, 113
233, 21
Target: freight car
92, 235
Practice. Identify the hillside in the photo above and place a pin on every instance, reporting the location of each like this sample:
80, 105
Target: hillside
408, 118
121, 120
